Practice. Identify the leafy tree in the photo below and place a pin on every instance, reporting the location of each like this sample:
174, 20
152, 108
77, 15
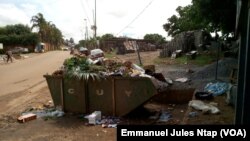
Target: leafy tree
17, 29
156, 39
40, 23
48, 32
210, 15
187, 19
220, 15
107, 36
71, 40
18, 35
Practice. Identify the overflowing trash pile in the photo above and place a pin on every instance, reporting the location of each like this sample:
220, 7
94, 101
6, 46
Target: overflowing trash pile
86, 68
96, 118
43, 113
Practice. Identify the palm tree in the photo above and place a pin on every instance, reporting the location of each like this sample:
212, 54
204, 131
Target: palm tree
40, 23
47, 31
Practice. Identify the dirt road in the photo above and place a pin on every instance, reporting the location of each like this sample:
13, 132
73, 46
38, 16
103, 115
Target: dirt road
28, 73
23, 87
22, 79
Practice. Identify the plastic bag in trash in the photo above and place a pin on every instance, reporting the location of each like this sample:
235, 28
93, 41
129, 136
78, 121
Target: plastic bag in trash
165, 116
56, 113
199, 105
217, 88
193, 114
138, 68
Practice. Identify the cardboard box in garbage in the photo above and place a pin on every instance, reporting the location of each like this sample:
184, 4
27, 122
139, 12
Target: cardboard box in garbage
95, 116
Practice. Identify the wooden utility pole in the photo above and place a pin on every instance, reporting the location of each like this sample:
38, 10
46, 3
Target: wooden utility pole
86, 30
95, 27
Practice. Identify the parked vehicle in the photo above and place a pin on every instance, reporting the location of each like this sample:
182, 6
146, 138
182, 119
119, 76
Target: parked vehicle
84, 50
40, 48
64, 48
19, 50
96, 54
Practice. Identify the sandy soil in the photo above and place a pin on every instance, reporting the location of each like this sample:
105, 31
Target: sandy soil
23, 88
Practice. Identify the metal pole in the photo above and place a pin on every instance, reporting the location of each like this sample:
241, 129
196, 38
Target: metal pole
138, 53
85, 29
95, 22
243, 100
218, 52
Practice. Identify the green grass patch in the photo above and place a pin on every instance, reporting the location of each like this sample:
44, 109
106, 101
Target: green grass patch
159, 60
200, 60
181, 60
110, 54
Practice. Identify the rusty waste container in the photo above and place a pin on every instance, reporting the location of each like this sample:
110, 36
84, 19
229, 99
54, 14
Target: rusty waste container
112, 96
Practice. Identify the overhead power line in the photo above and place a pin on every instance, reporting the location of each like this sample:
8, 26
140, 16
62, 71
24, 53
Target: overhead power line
83, 7
136, 17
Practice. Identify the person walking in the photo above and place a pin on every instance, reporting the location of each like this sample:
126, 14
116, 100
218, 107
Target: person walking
9, 56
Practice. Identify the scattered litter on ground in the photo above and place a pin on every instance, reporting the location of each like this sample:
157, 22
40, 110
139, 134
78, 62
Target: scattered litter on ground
183, 80
169, 81
204, 95
192, 114
46, 113
165, 116
26, 117
217, 88
204, 107
109, 122
176, 54
94, 117
156, 116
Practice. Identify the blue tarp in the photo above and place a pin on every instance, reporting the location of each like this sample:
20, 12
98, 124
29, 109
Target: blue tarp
217, 88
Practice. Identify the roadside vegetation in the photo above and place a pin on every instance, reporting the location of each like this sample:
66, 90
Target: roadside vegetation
23, 35
110, 54
200, 60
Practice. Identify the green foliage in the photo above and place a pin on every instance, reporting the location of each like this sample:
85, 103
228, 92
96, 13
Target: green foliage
201, 60
221, 15
80, 68
107, 36
17, 29
47, 31
156, 39
187, 19
110, 54
18, 35
90, 43
210, 15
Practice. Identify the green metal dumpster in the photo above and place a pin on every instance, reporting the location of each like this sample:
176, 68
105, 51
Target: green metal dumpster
100, 96
56, 89
119, 95
131, 92
112, 96
67, 93
74, 95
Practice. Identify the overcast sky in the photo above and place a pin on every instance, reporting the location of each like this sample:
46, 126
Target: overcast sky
131, 18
